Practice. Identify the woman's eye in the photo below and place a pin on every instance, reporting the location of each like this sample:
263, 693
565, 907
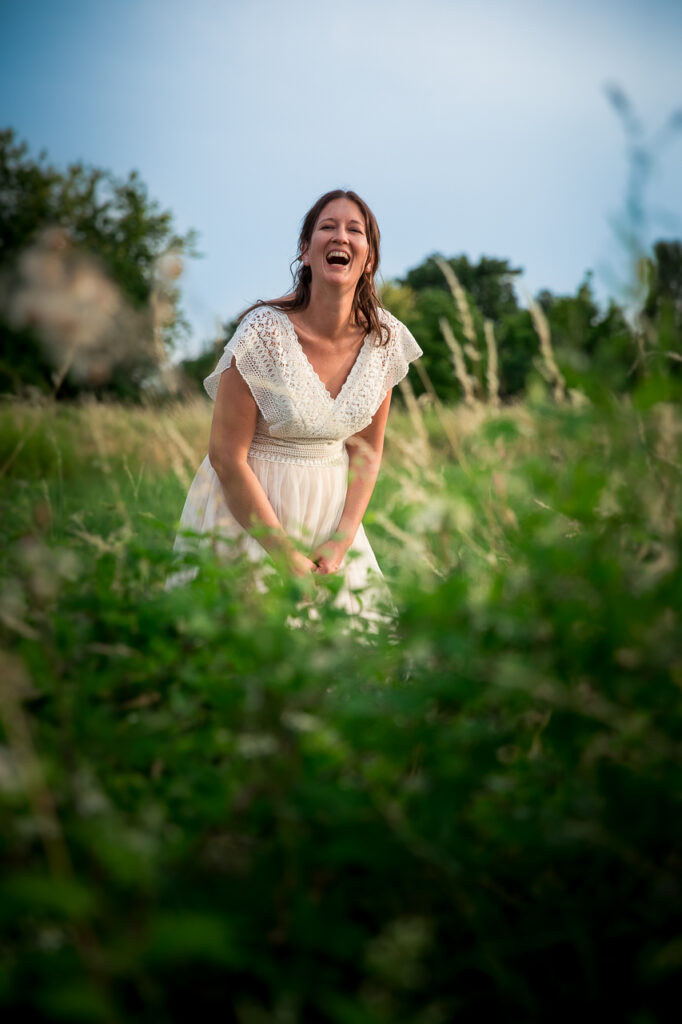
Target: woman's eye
328, 227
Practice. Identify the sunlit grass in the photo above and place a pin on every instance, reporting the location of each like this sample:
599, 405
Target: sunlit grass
208, 810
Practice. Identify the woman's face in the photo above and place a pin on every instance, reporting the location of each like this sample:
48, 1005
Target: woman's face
339, 249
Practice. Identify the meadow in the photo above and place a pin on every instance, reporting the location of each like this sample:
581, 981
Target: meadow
476, 812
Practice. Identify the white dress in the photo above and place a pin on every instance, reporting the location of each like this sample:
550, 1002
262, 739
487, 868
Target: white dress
298, 450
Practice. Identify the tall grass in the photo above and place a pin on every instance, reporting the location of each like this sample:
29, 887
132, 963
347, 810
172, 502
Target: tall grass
207, 812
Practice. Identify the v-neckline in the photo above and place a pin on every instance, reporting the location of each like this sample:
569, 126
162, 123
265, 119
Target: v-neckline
314, 372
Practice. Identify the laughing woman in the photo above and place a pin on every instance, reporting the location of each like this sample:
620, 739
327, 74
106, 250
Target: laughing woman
302, 393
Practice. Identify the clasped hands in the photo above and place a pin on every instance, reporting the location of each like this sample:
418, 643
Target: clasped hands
326, 559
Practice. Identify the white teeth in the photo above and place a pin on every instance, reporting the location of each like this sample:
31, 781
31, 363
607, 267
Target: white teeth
338, 252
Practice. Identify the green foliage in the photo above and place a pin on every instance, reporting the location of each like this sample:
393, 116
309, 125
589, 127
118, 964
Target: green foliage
665, 287
422, 298
518, 352
663, 304
590, 343
489, 282
423, 320
596, 349
195, 370
209, 811
116, 225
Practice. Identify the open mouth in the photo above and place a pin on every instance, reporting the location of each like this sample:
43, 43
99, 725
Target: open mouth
338, 258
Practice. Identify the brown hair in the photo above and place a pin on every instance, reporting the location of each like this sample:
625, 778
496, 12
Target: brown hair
366, 302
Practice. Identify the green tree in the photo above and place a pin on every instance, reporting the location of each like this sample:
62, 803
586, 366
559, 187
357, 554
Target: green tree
591, 342
120, 229
663, 305
517, 343
422, 299
490, 282
193, 371
421, 313
587, 340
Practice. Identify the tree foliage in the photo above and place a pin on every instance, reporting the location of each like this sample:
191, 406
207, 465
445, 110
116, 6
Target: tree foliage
584, 336
194, 370
110, 222
663, 305
597, 348
489, 283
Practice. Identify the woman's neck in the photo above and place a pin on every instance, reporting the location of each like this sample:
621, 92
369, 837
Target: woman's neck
329, 315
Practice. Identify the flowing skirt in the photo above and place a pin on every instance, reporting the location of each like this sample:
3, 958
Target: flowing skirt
308, 499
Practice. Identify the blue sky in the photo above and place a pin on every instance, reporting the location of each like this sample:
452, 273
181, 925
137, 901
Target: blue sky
470, 126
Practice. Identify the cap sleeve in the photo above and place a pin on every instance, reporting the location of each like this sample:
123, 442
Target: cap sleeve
237, 348
257, 347
403, 350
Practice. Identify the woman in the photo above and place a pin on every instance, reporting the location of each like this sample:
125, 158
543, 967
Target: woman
302, 394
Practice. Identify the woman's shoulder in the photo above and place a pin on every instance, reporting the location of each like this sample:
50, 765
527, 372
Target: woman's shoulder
400, 336
263, 316
386, 316
259, 338
386, 319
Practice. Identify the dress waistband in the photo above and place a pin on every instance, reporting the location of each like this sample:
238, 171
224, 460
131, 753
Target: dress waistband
302, 453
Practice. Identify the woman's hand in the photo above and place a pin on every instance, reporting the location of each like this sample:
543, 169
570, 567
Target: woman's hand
329, 556
300, 564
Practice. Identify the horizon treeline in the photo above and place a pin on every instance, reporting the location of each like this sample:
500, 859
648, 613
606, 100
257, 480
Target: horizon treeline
90, 302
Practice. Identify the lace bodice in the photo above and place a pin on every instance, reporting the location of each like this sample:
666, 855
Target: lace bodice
293, 403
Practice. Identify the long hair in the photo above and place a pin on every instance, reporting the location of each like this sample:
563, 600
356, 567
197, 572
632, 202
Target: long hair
366, 302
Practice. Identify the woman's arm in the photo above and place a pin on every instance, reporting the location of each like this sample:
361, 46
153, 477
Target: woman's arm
364, 452
232, 430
